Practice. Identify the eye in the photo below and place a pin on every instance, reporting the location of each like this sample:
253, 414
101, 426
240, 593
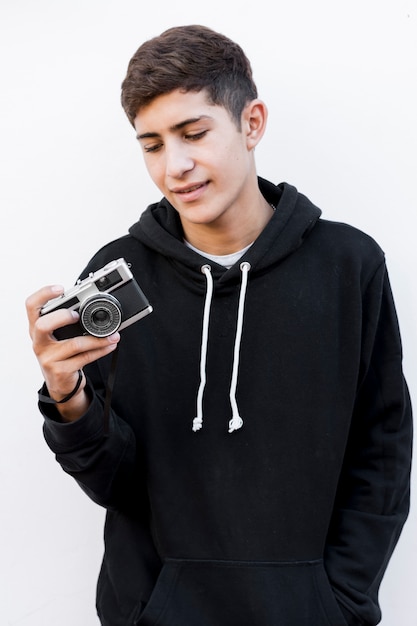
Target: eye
195, 136
152, 148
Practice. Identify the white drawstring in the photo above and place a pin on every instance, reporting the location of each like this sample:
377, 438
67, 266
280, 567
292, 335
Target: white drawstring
198, 421
236, 422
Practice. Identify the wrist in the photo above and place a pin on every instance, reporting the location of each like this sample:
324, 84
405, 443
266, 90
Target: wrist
69, 408
46, 397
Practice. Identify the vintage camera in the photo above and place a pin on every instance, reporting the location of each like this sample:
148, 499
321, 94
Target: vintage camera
107, 301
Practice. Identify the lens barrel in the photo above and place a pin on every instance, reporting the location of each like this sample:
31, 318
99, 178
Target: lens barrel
101, 315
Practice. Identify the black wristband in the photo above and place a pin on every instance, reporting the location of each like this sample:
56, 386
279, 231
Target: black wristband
50, 400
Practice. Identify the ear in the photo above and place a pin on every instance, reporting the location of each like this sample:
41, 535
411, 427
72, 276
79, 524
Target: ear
254, 118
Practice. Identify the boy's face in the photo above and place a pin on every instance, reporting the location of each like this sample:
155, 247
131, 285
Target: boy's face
198, 158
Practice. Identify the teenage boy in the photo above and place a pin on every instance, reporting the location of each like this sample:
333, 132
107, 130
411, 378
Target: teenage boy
256, 467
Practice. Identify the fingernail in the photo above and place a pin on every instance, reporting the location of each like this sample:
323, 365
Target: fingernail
114, 338
57, 288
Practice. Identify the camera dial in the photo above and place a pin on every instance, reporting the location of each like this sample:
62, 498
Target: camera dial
101, 315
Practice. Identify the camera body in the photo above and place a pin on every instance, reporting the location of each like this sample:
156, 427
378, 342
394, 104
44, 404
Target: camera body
107, 301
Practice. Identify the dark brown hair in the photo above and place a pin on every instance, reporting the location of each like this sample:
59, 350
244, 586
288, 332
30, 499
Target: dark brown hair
189, 58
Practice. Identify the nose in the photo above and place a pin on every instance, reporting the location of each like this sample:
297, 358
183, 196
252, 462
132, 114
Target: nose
178, 160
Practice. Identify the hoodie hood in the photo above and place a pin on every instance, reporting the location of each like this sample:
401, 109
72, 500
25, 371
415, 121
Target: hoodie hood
160, 229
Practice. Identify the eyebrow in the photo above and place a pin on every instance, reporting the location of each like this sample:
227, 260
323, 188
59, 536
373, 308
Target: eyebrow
175, 127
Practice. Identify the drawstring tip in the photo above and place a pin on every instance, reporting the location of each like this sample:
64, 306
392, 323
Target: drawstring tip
197, 423
235, 423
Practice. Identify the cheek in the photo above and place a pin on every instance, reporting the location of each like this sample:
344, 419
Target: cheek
155, 169
225, 159
236, 150
235, 161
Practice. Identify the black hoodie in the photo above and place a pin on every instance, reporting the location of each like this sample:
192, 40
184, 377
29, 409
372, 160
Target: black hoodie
256, 472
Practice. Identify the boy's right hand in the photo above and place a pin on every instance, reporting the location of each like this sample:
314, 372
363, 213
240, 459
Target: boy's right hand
61, 360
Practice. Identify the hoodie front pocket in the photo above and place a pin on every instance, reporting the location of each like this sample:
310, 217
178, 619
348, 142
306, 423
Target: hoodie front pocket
234, 593
328, 599
161, 596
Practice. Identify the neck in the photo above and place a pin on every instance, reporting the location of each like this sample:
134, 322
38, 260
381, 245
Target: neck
233, 234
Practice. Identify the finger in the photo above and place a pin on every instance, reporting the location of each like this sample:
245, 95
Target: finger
36, 301
65, 357
98, 352
47, 324
83, 344
48, 348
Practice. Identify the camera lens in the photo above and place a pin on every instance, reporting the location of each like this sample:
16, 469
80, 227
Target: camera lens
101, 318
101, 315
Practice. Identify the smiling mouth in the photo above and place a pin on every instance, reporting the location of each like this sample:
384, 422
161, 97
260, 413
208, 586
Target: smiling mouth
189, 189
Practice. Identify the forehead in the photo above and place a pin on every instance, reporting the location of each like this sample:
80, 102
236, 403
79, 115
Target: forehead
170, 110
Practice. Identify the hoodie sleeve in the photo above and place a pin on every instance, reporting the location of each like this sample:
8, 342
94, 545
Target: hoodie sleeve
373, 493
105, 466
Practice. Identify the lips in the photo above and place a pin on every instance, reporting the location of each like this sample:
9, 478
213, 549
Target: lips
190, 193
188, 189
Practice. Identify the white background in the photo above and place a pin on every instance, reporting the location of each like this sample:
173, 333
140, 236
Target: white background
340, 82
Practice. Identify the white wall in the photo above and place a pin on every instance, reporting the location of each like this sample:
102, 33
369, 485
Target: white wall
340, 82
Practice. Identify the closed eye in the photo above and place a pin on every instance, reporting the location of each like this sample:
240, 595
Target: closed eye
153, 148
195, 136
149, 148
